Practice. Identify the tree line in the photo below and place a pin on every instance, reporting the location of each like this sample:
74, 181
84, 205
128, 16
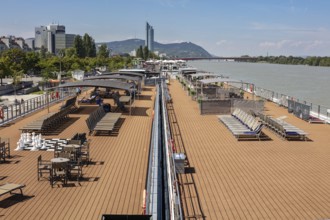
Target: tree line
145, 53
311, 60
15, 62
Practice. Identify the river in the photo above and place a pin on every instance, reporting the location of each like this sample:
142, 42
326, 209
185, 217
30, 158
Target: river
306, 83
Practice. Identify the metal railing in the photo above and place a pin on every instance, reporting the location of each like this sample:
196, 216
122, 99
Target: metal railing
21, 108
153, 183
319, 111
175, 208
161, 147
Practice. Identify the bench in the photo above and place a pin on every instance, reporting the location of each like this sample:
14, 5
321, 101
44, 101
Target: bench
243, 126
284, 129
10, 187
69, 104
99, 120
48, 121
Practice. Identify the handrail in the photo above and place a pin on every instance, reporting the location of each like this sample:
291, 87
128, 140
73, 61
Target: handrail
173, 188
19, 109
153, 186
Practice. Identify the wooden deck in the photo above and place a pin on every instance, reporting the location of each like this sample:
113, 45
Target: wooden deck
112, 184
228, 179
275, 179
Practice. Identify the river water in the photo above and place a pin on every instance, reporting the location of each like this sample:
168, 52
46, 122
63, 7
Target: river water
306, 83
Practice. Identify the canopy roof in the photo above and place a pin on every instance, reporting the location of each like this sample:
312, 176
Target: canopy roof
125, 73
133, 70
125, 77
204, 74
99, 83
215, 80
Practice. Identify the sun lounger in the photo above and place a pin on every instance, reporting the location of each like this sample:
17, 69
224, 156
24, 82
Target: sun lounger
10, 187
283, 128
242, 125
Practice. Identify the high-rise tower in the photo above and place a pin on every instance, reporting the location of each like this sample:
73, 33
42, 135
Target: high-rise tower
149, 37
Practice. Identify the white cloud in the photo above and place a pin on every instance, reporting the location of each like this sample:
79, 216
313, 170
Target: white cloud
170, 41
285, 28
221, 42
286, 44
174, 3
315, 44
274, 45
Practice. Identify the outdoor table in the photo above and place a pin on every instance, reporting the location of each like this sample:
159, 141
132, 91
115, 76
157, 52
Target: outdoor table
76, 146
124, 99
77, 149
60, 160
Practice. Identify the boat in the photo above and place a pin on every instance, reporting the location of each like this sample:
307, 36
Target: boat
209, 174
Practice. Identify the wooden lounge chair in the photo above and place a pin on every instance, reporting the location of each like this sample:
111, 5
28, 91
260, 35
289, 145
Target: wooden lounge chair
10, 187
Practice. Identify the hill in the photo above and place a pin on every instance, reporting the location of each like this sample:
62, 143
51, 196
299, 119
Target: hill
180, 50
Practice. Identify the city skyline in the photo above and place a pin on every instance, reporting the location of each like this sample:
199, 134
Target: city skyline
223, 28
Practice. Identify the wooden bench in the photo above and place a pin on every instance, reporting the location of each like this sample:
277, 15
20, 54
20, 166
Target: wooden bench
47, 121
10, 187
99, 120
69, 104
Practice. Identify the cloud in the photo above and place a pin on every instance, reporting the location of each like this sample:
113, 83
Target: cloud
315, 44
221, 42
274, 45
284, 28
170, 41
304, 45
174, 3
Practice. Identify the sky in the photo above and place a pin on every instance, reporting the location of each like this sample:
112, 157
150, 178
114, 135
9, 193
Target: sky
223, 28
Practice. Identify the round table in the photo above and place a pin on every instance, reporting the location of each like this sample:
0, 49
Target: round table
60, 160
77, 146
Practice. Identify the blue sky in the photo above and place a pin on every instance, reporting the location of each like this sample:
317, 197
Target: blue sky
224, 28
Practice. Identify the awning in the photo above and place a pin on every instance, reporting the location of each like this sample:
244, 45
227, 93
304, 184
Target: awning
216, 80
99, 83
125, 73
124, 77
204, 74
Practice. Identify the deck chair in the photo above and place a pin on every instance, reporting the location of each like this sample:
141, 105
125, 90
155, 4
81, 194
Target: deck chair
44, 166
10, 187
76, 169
59, 173
84, 151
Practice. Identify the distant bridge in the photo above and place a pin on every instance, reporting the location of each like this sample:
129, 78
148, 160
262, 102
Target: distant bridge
239, 59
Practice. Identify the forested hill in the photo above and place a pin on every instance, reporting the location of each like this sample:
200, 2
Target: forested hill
184, 49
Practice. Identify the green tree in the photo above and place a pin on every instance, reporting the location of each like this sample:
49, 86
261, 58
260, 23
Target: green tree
145, 53
103, 51
70, 52
16, 57
4, 68
79, 46
31, 62
43, 52
89, 45
139, 52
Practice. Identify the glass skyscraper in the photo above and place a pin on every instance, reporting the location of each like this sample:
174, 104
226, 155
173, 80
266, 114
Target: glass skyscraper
149, 37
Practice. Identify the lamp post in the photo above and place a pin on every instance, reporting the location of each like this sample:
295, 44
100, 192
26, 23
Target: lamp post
60, 55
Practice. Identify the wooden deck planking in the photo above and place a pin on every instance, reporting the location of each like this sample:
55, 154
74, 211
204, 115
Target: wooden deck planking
275, 179
120, 179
